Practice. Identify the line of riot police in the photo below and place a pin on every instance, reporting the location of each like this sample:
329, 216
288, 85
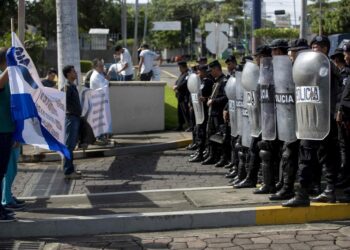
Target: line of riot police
282, 117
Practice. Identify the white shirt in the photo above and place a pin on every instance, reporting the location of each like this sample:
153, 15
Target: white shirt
97, 80
148, 58
125, 58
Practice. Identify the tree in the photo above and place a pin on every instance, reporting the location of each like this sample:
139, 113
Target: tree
67, 37
335, 16
197, 11
268, 34
8, 10
36, 10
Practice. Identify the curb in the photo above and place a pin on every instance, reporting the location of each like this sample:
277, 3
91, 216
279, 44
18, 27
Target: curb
107, 152
148, 222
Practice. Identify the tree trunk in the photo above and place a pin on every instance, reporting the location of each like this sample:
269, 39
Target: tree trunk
67, 37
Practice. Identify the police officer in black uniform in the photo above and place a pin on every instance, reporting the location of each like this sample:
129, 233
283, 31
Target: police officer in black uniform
289, 157
343, 116
237, 150
231, 64
322, 153
216, 104
206, 89
182, 95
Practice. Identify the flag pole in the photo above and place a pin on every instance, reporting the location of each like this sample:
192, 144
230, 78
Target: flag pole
12, 25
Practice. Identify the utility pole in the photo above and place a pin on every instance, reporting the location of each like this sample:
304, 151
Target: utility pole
21, 20
145, 24
295, 14
303, 32
256, 22
320, 20
135, 45
123, 21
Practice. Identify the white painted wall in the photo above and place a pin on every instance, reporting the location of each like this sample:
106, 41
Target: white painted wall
137, 106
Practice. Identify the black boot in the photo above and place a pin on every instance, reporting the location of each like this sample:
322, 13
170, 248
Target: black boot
232, 174
268, 186
221, 163
290, 161
328, 195
246, 183
197, 158
301, 199
211, 158
282, 194
241, 173
229, 165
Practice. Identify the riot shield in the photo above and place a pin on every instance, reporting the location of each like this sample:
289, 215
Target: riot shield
246, 134
267, 99
250, 79
230, 90
239, 102
311, 74
193, 85
284, 98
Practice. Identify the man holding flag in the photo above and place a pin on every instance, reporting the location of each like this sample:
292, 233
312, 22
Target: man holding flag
7, 128
39, 112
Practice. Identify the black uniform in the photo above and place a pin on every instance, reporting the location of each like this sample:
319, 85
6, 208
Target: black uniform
320, 154
183, 97
206, 89
215, 120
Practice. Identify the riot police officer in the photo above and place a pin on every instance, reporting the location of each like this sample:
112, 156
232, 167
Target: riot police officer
322, 148
182, 95
285, 108
206, 89
231, 64
216, 104
343, 121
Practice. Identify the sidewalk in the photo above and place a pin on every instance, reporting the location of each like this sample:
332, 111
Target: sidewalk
119, 145
144, 188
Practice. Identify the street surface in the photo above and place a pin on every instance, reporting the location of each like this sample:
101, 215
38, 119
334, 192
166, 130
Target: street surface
318, 236
160, 170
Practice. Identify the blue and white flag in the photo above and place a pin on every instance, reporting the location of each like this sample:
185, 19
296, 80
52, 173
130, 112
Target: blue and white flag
39, 112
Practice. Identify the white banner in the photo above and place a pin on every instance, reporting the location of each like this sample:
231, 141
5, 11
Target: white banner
39, 112
96, 109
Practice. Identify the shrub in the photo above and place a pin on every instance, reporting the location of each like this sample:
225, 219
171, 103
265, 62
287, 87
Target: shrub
85, 66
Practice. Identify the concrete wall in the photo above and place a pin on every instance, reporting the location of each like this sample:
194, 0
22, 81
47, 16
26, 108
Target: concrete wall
137, 106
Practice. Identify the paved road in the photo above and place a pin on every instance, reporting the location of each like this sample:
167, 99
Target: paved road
169, 73
160, 170
310, 236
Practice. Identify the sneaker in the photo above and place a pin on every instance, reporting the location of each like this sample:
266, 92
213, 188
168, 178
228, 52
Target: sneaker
72, 176
78, 172
20, 202
14, 206
7, 218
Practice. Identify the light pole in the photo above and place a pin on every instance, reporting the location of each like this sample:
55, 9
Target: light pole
320, 20
217, 29
303, 19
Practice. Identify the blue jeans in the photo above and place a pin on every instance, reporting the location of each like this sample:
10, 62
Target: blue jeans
5, 151
72, 134
10, 175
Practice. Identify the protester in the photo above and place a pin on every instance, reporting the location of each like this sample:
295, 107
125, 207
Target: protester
127, 68
49, 80
73, 113
147, 58
7, 128
8, 200
98, 79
